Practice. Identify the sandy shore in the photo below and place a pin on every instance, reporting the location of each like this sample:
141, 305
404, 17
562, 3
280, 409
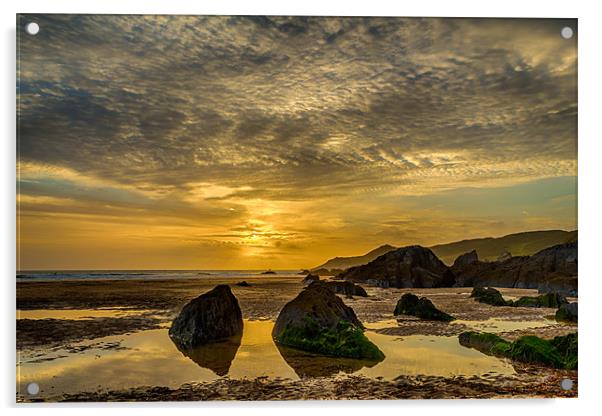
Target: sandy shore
157, 302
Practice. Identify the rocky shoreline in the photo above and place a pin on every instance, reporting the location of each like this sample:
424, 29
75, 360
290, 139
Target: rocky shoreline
531, 382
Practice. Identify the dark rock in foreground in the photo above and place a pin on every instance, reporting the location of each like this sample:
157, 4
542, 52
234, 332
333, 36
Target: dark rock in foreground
213, 316
318, 321
243, 284
489, 296
310, 278
561, 352
549, 300
423, 308
407, 267
567, 312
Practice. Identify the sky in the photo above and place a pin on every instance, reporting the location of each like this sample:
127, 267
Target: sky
195, 142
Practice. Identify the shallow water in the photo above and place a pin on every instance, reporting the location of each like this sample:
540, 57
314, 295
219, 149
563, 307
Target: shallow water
80, 314
150, 358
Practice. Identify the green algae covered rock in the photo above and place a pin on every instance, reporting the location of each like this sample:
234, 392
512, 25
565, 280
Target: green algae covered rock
422, 308
318, 321
344, 340
561, 352
489, 296
567, 312
549, 300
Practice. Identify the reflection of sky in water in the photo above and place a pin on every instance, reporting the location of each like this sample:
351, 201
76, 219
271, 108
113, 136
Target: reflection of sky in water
150, 358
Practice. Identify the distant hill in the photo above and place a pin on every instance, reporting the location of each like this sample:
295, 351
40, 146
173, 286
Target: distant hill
347, 262
520, 244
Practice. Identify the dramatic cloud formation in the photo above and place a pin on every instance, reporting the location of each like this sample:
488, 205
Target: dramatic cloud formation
254, 142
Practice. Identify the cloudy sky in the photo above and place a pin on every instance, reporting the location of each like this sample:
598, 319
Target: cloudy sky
253, 142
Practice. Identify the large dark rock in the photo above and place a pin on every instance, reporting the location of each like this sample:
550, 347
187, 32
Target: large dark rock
567, 312
551, 270
318, 321
489, 296
213, 316
407, 267
423, 308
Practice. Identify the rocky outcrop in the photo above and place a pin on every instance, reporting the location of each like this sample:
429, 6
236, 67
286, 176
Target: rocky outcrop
489, 296
551, 270
310, 278
213, 316
466, 259
422, 308
407, 267
567, 312
244, 283
318, 321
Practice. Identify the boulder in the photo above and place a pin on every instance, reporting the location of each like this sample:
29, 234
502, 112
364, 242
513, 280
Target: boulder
489, 296
549, 300
243, 284
422, 308
213, 316
310, 278
318, 321
406, 267
567, 312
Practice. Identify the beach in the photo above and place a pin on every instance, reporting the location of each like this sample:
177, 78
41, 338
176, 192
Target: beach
68, 330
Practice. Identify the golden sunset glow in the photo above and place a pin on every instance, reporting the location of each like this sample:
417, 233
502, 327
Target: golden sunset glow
181, 142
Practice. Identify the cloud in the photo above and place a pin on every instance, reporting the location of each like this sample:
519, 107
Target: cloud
216, 118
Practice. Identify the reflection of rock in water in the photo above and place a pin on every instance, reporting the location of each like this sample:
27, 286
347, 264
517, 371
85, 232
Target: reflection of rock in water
306, 364
216, 356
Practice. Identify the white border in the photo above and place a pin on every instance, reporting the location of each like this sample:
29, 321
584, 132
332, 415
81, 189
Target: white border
590, 175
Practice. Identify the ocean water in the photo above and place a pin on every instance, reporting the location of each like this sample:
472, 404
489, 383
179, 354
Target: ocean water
53, 275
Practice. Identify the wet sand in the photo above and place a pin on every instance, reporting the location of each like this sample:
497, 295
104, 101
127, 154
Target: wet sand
152, 305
